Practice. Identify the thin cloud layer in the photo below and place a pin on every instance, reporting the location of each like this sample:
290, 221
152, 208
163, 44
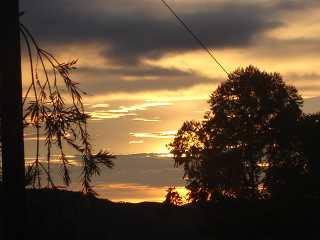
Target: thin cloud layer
146, 120
170, 134
138, 79
102, 111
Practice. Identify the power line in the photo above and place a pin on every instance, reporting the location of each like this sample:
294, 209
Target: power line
201, 43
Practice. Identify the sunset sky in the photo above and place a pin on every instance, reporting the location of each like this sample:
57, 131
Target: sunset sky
145, 75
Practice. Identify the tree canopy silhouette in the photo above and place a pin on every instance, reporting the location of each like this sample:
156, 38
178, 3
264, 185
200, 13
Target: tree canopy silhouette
309, 133
244, 141
291, 180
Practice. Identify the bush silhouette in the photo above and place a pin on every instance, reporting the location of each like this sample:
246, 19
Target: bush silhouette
173, 198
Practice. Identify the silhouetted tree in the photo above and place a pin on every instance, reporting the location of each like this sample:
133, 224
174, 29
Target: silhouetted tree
53, 107
173, 198
294, 169
49, 109
308, 134
228, 154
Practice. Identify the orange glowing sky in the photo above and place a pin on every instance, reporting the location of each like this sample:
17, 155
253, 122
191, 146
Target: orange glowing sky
145, 75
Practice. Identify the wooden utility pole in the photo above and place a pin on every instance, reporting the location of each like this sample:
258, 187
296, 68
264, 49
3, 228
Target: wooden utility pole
14, 205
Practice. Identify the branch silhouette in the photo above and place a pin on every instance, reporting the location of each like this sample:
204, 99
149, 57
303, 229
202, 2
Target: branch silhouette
53, 106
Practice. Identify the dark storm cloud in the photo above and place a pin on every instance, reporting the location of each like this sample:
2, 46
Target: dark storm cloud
141, 79
131, 32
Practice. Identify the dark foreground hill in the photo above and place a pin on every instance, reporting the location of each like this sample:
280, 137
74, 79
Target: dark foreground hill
67, 215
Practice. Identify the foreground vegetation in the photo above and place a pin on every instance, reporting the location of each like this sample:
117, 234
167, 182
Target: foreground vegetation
57, 214
251, 168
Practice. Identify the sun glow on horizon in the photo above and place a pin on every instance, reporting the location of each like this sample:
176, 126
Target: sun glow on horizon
136, 193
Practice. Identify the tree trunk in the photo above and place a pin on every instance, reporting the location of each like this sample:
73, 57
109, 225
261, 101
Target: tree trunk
14, 206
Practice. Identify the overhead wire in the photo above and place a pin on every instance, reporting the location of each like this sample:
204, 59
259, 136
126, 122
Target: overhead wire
198, 40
